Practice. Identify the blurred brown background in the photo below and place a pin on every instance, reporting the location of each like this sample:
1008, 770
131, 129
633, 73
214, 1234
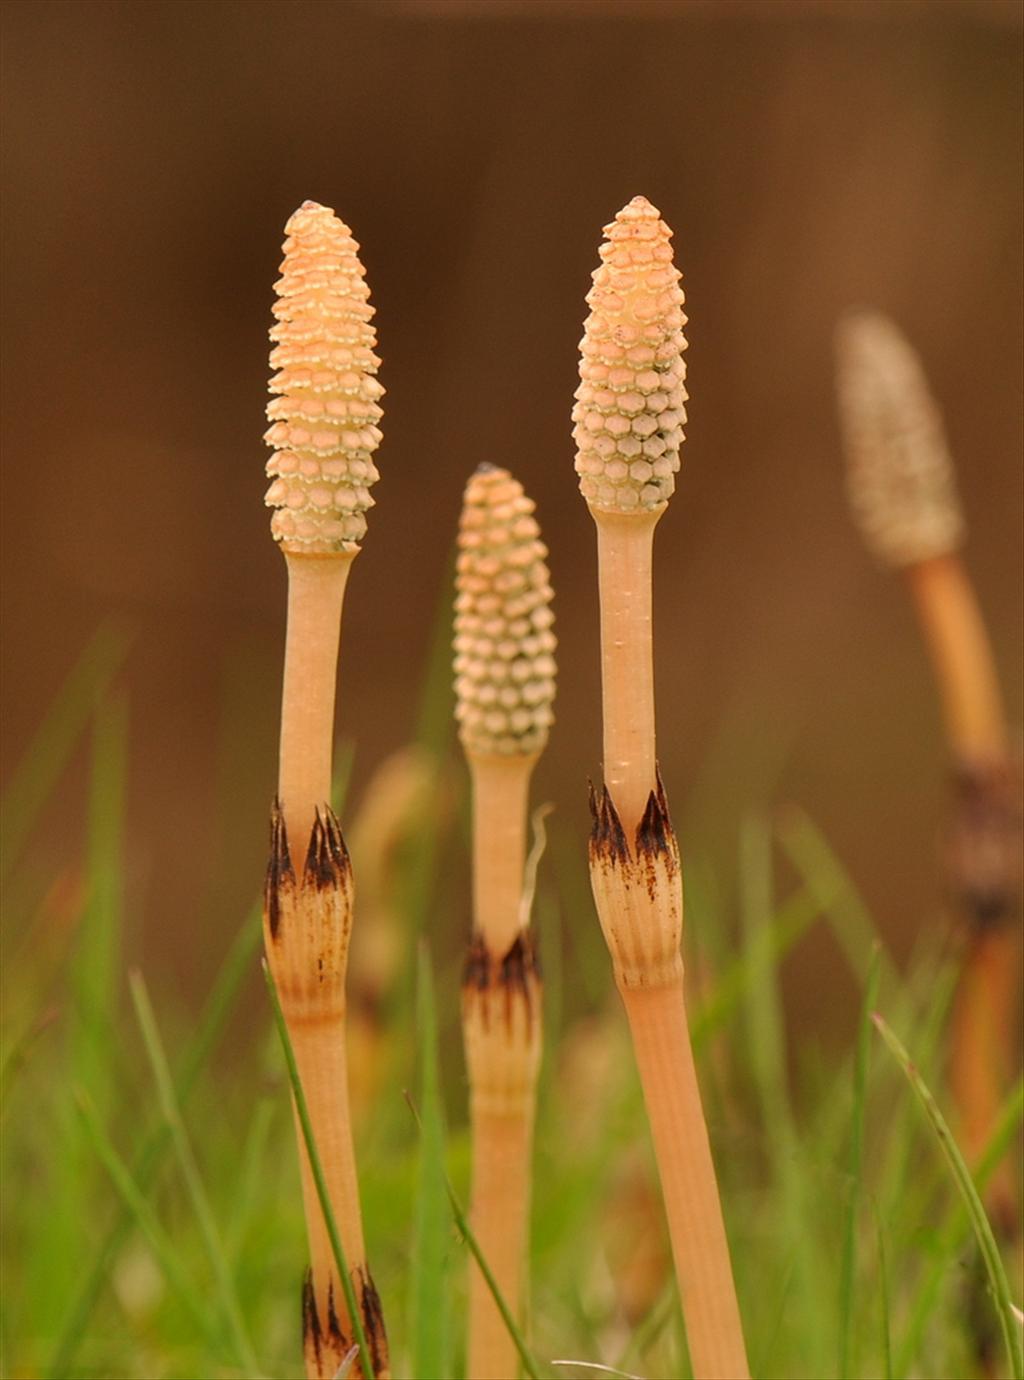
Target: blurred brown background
810, 156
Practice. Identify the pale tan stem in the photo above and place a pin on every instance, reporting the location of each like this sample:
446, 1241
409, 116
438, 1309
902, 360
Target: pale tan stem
500, 1214
319, 1045
962, 656
624, 547
657, 1018
307, 942
501, 787
316, 592
501, 1025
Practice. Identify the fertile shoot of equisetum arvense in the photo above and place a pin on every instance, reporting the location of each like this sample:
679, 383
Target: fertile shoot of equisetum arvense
629, 414
324, 431
504, 686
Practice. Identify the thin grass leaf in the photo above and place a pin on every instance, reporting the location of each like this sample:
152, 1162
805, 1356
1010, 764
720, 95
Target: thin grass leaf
904, 1189
765, 1025
33, 780
848, 1260
885, 1311
72, 1178
813, 857
650, 1328
316, 1167
347, 1362
768, 1060
16, 1056
600, 1369
993, 1261
219, 1005
190, 1172
1003, 1132
250, 1177
791, 921
763, 1366
145, 1219
430, 1248
341, 777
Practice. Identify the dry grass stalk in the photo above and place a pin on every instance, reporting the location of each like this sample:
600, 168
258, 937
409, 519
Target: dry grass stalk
504, 670
629, 416
901, 484
324, 432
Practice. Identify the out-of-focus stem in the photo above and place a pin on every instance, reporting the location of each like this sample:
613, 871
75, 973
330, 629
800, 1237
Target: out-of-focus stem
625, 546
962, 656
984, 1011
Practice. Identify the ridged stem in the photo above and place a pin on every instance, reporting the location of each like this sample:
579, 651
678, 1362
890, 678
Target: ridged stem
502, 1145
308, 917
661, 1040
635, 876
501, 1024
501, 786
625, 546
316, 593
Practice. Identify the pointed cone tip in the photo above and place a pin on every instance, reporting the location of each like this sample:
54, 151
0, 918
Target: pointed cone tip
639, 205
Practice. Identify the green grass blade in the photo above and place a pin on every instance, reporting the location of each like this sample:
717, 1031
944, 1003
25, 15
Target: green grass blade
999, 1142
812, 856
251, 1178
848, 1261
40, 768
302, 1109
650, 1328
214, 1017
16, 1056
431, 1231
190, 1173
215, 1014
883, 1297
791, 921
764, 1364
767, 1057
145, 1219
341, 777
72, 1179
962, 1177
765, 1026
